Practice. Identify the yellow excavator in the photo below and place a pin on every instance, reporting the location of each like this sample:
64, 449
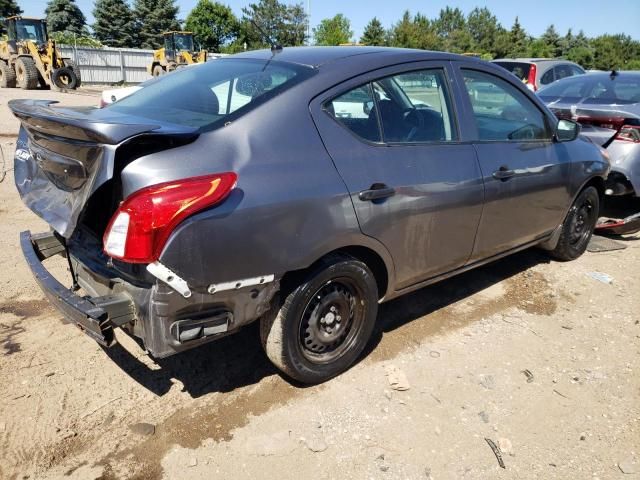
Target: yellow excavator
28, 57
178, 51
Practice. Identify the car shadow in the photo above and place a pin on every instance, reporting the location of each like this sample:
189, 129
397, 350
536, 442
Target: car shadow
238, 360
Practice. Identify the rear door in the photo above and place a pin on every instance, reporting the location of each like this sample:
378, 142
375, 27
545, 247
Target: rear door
415, 185
526, 174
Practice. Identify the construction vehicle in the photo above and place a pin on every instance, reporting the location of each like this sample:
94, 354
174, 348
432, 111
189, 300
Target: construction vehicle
177, 52
28, 57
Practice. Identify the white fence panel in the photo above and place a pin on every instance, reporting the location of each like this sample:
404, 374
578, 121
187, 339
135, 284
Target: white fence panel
110, 65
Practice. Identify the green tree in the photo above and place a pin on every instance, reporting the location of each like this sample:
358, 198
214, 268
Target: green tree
68, 38
333, 31
518, 41
282, 24
484, 29
450, 20
152, 18
114, 24
65, 16
374, 33
404, 33
9, 8
553, 42
615, 52
213, 24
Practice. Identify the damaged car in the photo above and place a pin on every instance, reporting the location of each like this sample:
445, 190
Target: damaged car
239, 191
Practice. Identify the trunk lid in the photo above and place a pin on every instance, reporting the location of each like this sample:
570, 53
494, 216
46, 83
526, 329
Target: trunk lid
63, 155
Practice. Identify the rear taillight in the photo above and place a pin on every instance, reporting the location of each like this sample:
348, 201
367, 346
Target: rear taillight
531, 79
613, 123
142, 224
629, 133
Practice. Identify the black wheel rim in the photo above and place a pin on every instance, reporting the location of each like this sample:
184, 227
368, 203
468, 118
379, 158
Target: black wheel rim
582, 222
331, 321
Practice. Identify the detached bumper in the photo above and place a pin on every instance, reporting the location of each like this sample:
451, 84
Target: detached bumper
94, 316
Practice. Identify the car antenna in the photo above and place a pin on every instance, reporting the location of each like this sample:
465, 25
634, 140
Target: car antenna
613, 74
275, 47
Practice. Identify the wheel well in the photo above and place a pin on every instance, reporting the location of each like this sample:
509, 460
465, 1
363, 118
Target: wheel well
597, 182
370, 258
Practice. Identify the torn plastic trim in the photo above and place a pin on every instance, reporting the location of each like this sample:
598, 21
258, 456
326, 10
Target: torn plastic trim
169, 277
235, 285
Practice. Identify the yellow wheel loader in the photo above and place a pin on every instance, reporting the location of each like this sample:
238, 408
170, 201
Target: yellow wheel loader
178, 51
28, 57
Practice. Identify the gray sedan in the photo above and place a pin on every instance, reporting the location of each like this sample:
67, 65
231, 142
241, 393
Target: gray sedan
607, 105
298, 187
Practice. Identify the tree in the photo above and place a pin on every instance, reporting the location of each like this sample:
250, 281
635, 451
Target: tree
374, 33
213, 24
114, 24
484, 29
9, 8
271, 21
152, 18
518, 41
333, 31
450, 20
65, 16
552, 41
404, 33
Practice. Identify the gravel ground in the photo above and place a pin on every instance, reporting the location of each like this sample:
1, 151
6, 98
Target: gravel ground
537, 356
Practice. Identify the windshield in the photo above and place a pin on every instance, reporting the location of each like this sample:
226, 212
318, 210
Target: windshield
519, 69
34, 30
183, 41
206, 95
595, 89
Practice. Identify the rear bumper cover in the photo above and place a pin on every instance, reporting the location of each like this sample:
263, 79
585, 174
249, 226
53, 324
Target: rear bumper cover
94, 316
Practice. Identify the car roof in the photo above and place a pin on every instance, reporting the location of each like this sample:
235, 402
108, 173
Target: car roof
532, 60
317, 57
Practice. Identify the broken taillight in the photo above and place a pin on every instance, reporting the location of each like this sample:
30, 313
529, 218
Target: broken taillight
629, 133
143, 222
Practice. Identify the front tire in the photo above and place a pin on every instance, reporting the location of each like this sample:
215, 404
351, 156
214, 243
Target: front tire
158, 70
577, 228
7, 75
76, 70
325, 323
26, 73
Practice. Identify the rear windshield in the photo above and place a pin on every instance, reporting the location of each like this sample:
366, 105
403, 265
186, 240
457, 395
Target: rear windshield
209, 94
519, 69
591, 89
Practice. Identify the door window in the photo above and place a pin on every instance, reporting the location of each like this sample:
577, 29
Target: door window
547, 77
355, 110
501, 111
414, 107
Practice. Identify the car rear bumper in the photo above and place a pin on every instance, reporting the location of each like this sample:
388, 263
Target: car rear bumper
96, 317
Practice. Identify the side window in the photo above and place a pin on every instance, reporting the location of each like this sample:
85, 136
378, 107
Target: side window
547, 78
563, 71
414, 107
355, 110
501, 111
576, 70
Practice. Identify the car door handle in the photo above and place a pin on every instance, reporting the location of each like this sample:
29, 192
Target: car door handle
376, 192
503, 173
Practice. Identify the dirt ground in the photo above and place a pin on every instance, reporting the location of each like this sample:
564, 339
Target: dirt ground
538, 357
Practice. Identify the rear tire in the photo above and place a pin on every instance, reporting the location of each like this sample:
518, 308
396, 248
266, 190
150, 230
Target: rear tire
577, 228
158, 71
325, 323
74, 68
26, 73
7, 75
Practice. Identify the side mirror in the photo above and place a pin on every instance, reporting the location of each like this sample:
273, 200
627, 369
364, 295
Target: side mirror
567, 130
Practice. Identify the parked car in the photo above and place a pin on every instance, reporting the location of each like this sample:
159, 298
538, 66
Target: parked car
187, 214
607, 105
538, 72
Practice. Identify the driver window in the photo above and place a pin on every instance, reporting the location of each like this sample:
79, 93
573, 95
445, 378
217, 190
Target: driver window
501, 111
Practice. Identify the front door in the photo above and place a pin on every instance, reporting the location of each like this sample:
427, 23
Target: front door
414, 185
526, 173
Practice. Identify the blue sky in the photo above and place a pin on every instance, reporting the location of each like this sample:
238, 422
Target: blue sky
595, 17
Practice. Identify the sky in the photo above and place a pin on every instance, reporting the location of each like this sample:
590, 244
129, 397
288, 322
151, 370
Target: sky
595, 17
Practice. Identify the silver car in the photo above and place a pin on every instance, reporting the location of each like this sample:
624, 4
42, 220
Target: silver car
537, 73
607, 105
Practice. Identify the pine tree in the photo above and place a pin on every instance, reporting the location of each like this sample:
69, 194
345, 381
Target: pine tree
374, 33
552, 40
152, 18
114, 23
519, 40
65, 16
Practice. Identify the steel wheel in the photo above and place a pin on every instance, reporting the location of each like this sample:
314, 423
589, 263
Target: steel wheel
331, 320
582, 221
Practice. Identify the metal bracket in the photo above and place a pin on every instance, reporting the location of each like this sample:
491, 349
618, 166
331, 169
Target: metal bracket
163, 273
247, 282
